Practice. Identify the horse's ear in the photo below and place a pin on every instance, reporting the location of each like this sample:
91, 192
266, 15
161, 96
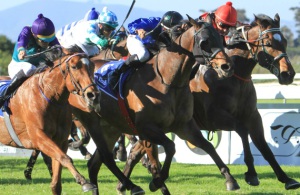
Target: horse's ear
277, 19
208, 19
192, 21
256, 19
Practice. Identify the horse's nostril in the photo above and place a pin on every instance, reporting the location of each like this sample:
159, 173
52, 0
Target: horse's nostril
225, 67
91, 95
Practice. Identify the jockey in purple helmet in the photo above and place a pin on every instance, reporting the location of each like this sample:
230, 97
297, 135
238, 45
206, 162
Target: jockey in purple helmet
31, 40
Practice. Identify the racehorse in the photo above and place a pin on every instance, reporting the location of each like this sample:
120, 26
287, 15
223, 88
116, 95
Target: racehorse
158, 99
38, 116
114, 52
230, 104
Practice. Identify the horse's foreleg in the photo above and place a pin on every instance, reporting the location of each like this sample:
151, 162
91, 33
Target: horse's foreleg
56, 177
258, 138
30, 164
136, 152
155, 135
195, 137
94, 165
52, 150
251, 175
154, 164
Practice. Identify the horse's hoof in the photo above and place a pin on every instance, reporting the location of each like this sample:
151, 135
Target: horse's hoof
252, 180
27, 175
137, 190
88, 187
121, 192
232, 185
292, 184
152, 187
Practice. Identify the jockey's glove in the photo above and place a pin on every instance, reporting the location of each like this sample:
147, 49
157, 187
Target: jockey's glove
103, 43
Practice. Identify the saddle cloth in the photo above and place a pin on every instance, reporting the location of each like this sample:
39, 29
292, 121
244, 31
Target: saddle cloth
102, 74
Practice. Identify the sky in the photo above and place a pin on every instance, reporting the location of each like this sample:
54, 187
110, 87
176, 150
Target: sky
192, 7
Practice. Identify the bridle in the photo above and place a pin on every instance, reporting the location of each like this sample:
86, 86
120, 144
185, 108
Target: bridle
262, 35
78, 89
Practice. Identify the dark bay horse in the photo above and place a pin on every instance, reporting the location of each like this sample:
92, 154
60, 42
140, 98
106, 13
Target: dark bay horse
40, 114
158, 99
230, 104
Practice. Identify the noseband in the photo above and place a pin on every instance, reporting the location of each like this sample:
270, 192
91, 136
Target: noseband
269, 63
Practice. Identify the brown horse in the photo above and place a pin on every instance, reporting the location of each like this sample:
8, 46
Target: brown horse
40, 114
159, 100
230, 104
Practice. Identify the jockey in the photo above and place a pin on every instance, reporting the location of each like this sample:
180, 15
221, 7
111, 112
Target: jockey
223, 18
170, 20
138, 44
91, 35
31, 40
92, 14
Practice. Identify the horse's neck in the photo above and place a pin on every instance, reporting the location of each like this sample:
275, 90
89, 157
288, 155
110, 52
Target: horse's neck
52, 85
175, 63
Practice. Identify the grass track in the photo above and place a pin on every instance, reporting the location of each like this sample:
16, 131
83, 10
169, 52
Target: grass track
185, 179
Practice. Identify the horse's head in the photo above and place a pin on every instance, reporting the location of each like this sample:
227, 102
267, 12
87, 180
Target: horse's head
268, 47
208, 46
77, 71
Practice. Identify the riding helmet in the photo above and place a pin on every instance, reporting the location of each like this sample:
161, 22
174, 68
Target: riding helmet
91, 15
43, 28
108, 17
226, 14
170, 19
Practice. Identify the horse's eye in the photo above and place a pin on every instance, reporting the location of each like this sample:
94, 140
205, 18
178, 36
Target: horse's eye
268, 44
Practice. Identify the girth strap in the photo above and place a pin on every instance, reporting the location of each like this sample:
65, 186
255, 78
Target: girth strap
126, 114
11, 130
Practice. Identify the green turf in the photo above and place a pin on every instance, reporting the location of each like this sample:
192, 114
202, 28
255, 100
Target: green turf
185, 179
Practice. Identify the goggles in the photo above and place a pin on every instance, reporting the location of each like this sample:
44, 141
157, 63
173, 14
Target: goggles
222, 25
107, 28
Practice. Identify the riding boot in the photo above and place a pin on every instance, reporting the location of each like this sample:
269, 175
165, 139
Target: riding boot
114, 76
18, 79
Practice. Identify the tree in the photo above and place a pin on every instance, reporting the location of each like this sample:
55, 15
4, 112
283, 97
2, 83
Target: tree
287, 33
6, 50
297, 19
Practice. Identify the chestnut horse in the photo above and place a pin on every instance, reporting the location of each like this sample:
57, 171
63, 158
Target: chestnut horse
112, 53
40, 114
230, 104
158, 99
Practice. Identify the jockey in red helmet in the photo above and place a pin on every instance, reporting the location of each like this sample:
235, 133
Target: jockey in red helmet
224, 17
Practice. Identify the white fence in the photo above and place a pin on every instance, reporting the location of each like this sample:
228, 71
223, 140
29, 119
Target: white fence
279, 107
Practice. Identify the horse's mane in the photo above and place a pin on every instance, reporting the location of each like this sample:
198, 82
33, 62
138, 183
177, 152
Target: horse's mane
73, 49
